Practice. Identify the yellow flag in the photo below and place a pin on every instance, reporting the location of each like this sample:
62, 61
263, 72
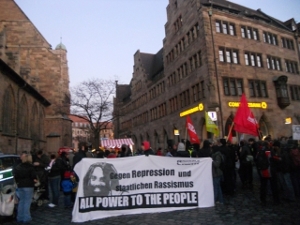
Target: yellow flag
210, 125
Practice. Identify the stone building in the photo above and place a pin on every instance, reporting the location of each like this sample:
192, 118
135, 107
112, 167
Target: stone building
82, 134
213, 52
34, 87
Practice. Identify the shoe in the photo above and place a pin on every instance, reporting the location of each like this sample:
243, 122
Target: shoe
51, 205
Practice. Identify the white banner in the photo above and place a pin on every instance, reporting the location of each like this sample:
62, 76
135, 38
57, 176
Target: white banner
141, 184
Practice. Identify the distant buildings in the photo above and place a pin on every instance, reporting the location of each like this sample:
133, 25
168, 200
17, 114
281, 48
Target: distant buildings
212, 53
81, 132
34, 86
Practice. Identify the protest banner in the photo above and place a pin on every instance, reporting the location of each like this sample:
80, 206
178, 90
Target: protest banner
140, 184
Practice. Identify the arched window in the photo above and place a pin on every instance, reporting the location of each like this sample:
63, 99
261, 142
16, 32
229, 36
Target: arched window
8, 122
34, 125
23, 118
41, 124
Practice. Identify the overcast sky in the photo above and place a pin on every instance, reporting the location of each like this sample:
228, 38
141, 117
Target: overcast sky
102, 36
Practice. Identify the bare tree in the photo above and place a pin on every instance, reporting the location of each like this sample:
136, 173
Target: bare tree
93, 101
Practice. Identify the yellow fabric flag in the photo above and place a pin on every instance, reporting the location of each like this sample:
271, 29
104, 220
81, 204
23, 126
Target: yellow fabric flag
210, 125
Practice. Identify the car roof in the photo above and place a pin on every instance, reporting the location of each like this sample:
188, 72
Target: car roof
7, 155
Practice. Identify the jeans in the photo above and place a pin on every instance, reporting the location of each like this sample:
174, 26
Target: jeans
67, 199
54, 189
217, 189
25, 197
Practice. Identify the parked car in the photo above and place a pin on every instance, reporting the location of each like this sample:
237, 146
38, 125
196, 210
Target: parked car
6, 165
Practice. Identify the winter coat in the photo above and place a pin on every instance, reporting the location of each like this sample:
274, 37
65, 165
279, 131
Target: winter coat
24, 175
57, 168
217, 160
205, 151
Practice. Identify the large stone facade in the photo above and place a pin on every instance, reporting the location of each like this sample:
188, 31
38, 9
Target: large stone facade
211, 54
28, 54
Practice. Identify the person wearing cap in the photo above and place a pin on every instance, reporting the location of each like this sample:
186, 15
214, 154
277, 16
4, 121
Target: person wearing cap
25, 178
146, 148
181, 152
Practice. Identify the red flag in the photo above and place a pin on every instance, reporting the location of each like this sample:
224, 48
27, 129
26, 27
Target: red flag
191, 131
244, 120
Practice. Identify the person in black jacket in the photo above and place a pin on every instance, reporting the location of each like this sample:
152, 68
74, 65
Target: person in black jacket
54, 177
25, 177
206, 150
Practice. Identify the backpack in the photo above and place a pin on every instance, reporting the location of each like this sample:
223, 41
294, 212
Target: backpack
295, 157
262, 161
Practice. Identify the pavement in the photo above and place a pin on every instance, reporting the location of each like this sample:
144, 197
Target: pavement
243, 208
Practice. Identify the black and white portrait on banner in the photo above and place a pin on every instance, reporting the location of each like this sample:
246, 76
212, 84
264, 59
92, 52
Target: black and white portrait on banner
97, 181
296, 132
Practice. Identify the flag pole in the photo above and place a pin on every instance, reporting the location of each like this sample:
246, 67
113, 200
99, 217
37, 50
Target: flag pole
230, 131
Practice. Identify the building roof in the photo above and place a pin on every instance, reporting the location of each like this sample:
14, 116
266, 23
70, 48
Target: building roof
61, 46
123, 91
77, 119
152, 63
247, 12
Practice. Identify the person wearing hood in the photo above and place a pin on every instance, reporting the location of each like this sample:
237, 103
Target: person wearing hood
146, 147
205, 151
181, 152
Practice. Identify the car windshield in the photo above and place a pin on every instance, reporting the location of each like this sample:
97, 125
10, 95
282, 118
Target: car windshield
6, 163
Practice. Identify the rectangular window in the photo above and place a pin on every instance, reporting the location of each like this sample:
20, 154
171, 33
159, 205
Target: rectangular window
273, 63
243, 32
295, 92
225, 27
258, 88
221, 55
291, 66
231, 55
231, 29
249, 32
247, 59
255, 34
218, 26
270, 38
253, 59
202, 88
232, 86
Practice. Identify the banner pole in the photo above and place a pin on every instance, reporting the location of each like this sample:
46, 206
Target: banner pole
229, 131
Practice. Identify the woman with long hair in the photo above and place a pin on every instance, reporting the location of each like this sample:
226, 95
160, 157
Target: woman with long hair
25, 177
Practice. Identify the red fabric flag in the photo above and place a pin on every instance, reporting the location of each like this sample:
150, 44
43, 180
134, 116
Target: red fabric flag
191, 131
244, 120
229, 136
